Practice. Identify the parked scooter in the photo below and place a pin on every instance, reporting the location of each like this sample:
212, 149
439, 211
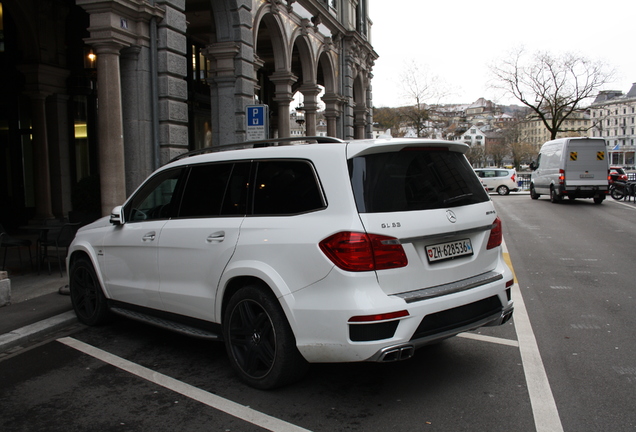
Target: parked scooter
623, 190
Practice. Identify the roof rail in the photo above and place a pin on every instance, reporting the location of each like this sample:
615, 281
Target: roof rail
260, 143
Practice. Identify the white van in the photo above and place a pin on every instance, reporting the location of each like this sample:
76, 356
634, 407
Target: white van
573, 168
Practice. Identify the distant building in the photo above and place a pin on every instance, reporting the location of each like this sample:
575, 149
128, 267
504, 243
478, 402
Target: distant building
534, 132
614, 118
474, 135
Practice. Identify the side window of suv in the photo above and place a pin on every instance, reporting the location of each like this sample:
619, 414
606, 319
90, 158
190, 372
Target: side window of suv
155, 199
215, 190
286, 187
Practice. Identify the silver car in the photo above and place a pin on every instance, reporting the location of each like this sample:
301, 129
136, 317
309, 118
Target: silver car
501, 180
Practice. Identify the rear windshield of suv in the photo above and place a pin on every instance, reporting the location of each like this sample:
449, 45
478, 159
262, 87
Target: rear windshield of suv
414, 179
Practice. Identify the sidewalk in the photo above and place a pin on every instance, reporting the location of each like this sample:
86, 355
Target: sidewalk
36, 309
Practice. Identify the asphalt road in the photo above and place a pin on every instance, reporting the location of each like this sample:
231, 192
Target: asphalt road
567, 364
576, 271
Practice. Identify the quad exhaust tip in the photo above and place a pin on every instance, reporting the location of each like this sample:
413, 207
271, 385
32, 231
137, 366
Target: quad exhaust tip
398, 353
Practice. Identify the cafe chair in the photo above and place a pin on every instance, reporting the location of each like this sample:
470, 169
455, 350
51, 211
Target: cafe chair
6, 242
56, 244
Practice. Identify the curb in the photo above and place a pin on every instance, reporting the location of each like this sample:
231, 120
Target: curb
28, 333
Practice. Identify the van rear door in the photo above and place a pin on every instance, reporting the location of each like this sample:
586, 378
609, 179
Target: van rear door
586, 163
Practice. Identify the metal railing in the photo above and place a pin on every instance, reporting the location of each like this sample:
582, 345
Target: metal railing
523, 181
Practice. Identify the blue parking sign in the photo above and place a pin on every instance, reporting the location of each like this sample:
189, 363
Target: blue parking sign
257, 125
256, 115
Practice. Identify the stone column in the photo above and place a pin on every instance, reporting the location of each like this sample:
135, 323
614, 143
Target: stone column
283, 81
136, 115
332, 112
110, 130
360, 122
222, 89
42, 174
310, 95
172, 69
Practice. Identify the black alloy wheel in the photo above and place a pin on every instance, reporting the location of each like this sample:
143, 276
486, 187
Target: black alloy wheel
259, 341
87, 297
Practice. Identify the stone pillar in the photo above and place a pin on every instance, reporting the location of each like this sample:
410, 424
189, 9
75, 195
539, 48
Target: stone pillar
110, 127
172, 69
222, 90
283, 81
360, 122
136, 115
310, 95
42, 174
332, 112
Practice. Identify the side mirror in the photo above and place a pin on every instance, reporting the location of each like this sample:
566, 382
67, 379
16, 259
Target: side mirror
117, 216
533, 165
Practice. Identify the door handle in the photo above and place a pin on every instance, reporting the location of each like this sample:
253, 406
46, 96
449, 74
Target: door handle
149, 236
216, 237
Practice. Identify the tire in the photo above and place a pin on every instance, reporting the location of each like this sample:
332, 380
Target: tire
259, 341
503, 190
533, 194
554, 196
599, 199
617, 194
87, 297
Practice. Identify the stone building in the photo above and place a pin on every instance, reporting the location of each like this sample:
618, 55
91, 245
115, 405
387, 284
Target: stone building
112, 89
614, 118
534, 132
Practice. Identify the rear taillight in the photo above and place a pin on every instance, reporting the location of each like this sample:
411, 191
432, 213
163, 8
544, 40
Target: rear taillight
496, 235
512, 177
358, 252
379, 317
561, 176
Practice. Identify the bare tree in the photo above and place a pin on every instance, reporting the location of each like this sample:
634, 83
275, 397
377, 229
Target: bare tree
520, 150
497, 152
420, 89
388, 118
553, 87
476, 156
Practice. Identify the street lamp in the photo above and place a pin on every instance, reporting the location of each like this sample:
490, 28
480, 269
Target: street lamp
300, 118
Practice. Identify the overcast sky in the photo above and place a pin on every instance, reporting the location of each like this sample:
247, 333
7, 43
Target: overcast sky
456, 40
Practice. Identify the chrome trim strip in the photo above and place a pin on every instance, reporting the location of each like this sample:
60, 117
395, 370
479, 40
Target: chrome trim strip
449, 234
450, 288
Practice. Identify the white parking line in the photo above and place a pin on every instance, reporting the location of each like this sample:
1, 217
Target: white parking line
491, 339
626, 204
239, 411
544, 409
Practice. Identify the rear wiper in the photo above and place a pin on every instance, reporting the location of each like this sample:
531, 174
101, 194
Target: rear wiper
457, 198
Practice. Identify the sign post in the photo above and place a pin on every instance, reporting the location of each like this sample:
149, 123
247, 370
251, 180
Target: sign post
257, 119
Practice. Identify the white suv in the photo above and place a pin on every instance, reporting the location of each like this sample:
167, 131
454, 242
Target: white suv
501, 180
327, 251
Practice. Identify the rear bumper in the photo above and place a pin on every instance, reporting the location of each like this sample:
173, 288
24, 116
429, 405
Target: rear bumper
584, 191
324, 333
405, 351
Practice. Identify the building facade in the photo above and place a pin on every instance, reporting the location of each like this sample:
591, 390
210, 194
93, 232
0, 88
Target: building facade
534, 132
96, 94
614, 118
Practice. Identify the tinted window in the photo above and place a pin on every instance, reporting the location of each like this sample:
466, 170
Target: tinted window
285, 187
155, 199
414, 180
215, 190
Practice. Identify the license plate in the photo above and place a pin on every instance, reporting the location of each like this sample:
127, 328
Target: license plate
449, 250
